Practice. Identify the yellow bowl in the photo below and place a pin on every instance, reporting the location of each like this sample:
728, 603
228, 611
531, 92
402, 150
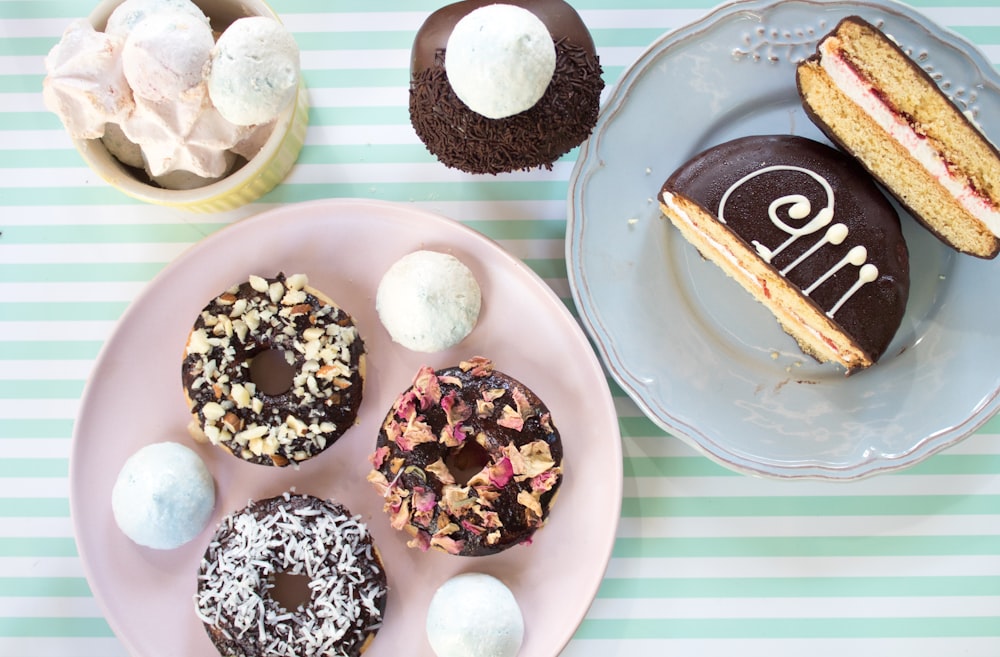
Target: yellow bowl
258, 176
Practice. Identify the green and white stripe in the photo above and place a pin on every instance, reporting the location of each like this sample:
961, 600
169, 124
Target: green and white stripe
706, 562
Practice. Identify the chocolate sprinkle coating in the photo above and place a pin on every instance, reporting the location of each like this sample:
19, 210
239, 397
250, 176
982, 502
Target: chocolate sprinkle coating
463, 139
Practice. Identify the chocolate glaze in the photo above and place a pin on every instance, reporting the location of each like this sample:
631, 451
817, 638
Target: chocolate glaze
561, 19
463, 139
413, 473
872, 315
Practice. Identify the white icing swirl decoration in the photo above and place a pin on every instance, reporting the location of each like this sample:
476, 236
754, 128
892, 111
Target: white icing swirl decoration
798, 207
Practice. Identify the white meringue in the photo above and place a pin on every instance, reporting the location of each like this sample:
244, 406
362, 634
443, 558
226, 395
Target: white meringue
132, 12
499, 60
164, 496
428, 301
254, 70
164, 58
474, 614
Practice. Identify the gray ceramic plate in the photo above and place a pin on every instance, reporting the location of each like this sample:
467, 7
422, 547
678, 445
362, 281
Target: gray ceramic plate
698, 355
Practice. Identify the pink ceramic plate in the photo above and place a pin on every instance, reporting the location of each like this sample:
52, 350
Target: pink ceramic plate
134, 398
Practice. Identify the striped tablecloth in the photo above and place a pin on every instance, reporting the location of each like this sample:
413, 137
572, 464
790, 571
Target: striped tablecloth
706, 562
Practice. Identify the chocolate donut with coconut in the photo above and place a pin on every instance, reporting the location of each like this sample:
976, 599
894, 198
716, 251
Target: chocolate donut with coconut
291, 535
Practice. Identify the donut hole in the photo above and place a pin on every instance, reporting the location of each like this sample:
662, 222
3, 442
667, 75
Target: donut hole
466, 460
290, 590
271, 372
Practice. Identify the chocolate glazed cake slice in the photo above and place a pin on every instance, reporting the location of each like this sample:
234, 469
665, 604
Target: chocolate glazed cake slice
804, 229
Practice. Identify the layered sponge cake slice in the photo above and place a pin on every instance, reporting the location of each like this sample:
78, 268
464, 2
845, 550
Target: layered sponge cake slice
876, 103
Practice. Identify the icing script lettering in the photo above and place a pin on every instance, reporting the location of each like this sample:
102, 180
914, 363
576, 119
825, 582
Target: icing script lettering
797, 207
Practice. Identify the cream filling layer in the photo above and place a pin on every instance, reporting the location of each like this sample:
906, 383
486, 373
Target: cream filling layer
861, 94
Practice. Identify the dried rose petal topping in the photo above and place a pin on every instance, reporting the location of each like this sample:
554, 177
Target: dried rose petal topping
501, 473
511, 419
427, 388
421, 540
426, 485
406, 406
378, 457
524, 408
455, 408
544, 481
399, 510
415, 433
537, 458
441, 472
424, 500
477, 366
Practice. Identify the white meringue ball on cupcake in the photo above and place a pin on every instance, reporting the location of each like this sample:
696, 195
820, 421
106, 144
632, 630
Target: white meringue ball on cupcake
500, 59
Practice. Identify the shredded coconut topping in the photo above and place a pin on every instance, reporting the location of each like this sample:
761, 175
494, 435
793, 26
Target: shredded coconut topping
299, 535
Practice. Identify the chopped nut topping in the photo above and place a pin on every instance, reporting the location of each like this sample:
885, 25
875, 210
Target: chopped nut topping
315, 337
232, 422
297, 281
258, 284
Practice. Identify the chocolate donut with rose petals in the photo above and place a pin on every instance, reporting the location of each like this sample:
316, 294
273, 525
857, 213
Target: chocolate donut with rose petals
468, 460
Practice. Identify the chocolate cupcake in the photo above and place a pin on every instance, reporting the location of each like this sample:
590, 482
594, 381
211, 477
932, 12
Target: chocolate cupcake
504, 87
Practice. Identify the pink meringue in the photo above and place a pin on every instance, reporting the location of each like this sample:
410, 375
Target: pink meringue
132, 12
85, 84
189, 135
164, 57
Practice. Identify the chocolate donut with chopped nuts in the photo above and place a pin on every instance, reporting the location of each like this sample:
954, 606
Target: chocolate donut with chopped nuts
273, 371
468, 460
283, 536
